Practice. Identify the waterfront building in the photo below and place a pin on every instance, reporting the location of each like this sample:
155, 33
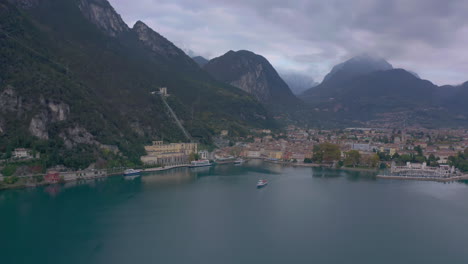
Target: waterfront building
275, 154
52, 177
255, 154
203, 154
169, 154
423, 171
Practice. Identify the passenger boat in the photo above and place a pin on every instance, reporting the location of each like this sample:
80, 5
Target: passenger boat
131, 172
261, 183
200, 163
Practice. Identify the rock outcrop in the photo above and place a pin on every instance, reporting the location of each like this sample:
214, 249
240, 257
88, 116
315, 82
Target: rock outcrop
77, 135
160, 46
38, 126
103, 15
253, 74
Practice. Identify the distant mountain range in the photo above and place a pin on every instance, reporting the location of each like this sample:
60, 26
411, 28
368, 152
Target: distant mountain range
254, 74
367, 88
298, 82
200, 61
76, 80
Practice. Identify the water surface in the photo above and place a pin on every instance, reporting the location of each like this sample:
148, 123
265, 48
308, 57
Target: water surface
216, 215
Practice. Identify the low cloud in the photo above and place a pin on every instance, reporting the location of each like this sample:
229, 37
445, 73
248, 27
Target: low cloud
425, 36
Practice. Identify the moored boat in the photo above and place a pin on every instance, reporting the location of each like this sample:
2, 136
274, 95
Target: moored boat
261, 183
200, 163
239, 161
131, 172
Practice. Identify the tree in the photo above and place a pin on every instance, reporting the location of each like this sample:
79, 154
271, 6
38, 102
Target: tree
353, 158
326, 152
194, 156
307, 160
432, 160
405, 158
9, 170
419, 150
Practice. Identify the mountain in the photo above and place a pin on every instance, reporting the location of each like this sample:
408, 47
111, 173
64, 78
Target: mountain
357, 66
368, 91
454, 97
297, 82
201, 61
254, 74
339, 77
76, 85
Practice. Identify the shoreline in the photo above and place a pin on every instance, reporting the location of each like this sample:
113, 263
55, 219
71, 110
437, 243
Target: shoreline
110, 174
166, 168
451, 179
315, 165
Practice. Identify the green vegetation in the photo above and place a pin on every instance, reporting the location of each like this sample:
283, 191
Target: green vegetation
326, 153
11, 180
353, 158
9, 170
460, 161
194, 156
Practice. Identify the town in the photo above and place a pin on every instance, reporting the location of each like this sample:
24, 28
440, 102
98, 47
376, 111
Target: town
352, 148
366, 147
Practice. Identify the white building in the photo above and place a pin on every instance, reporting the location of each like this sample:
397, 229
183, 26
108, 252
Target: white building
203, 154
21, 153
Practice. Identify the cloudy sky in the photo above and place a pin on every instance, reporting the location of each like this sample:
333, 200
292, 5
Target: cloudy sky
429, 37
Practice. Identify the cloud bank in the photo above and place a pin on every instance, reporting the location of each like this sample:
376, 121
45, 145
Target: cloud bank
425, 36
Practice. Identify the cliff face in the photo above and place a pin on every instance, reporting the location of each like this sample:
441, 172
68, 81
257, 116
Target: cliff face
159, 45
254, 81
103, 15
253, 74
155, 41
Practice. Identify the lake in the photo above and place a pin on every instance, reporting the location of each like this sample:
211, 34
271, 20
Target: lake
216, 215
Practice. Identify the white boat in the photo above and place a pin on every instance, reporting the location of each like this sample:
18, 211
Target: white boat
200, 163
131, 172
239, 161
261, 183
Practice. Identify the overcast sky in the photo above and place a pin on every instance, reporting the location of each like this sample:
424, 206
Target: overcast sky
429, 37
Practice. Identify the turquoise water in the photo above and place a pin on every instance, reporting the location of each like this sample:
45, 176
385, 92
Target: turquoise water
216, 215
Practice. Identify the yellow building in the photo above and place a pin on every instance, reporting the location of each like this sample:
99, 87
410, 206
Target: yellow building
169, 154
274, 154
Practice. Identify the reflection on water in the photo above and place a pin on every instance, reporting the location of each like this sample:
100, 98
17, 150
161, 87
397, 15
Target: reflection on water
350, 175
55, 189
170, 177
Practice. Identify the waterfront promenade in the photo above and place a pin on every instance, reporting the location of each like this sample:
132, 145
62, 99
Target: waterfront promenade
438, 179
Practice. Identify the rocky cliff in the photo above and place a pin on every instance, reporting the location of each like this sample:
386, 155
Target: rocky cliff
103, 15
253, 74
159, 45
